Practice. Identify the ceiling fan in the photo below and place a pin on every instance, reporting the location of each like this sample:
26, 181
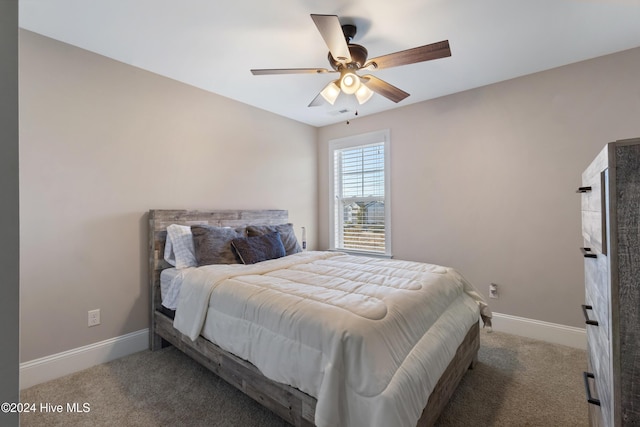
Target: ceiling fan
347, 58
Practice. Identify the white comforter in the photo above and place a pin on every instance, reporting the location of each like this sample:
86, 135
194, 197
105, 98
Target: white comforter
369, 338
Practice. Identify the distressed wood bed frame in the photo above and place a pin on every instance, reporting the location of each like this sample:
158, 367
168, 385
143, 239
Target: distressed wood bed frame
289, 403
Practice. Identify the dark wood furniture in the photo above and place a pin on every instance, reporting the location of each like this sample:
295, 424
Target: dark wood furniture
611, 230
289, 403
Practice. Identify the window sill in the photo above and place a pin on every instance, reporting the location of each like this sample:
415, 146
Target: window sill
362, 253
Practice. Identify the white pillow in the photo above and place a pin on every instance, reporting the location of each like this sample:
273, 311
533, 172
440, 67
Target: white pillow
178, 249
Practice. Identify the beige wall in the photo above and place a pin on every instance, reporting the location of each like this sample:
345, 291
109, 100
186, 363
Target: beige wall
482, 180
485, 180
101, 144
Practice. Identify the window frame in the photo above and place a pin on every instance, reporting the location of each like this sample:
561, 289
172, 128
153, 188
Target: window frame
376, 137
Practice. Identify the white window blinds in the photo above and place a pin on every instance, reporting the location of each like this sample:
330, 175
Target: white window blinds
360, 220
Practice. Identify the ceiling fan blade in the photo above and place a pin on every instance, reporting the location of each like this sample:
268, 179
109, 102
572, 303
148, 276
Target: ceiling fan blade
383, 88
260, 72
331, 31
318, 100
411, 56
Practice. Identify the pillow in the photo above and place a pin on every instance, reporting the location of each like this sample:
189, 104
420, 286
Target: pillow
288, 236
178, 249
259, 248
213, 244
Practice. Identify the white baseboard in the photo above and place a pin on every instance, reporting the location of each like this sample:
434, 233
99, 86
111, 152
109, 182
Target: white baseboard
539, 330
58, 365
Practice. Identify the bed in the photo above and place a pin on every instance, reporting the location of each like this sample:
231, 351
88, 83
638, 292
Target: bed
329, 366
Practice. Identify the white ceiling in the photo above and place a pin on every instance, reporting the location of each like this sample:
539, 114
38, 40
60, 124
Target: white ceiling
213, 45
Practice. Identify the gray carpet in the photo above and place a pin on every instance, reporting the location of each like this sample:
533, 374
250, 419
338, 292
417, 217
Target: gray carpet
517, 382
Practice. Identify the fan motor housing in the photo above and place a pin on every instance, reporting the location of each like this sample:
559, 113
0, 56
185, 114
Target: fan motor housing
358, 58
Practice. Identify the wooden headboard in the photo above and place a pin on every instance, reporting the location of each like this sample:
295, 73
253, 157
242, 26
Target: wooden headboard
159, 219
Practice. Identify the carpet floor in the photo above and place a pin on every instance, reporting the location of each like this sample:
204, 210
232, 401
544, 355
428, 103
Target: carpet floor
517, 382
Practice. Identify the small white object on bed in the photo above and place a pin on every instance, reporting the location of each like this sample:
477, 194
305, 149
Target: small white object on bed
170, 284
179, 250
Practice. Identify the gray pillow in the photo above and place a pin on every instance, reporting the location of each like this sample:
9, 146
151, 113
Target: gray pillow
259, 248
212, 244
288, 236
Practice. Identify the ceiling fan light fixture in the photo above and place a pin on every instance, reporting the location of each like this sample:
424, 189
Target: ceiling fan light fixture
330, 92
349, 82
363, 94
348, 58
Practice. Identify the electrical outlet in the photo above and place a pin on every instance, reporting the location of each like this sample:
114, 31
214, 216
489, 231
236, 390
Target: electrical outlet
493, 290
94, 317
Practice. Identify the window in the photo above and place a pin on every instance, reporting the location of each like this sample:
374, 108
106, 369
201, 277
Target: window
360, 193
